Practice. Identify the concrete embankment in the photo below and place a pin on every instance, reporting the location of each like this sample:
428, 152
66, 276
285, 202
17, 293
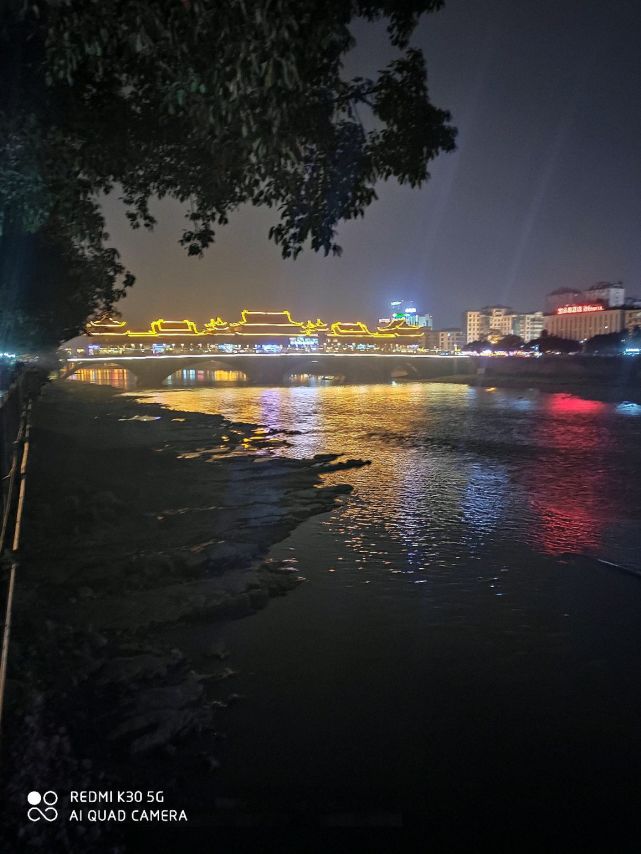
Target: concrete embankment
610, 378
139, 519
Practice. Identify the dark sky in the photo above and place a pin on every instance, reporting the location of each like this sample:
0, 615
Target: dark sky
544, 189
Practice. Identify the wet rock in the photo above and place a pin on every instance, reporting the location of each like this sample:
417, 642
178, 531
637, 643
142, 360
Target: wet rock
106, 499
211, 763
277, 583
219, 650
163, 714
324, 458
346, 464
258, 598
337, 489
163, 725
133, 668
160, 605
224, 554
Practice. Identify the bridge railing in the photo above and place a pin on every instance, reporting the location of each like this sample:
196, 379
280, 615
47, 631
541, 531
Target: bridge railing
105, 352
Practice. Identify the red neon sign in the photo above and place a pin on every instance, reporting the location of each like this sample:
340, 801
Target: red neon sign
578, 309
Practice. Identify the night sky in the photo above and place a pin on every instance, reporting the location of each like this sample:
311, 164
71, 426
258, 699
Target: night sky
543, 191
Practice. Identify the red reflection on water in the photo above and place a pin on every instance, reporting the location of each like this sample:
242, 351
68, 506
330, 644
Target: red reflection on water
568, 404
568, 521
570, 493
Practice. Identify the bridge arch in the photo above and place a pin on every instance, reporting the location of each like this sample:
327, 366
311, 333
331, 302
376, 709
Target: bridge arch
403, 370
102, 373
208, 371
318, 368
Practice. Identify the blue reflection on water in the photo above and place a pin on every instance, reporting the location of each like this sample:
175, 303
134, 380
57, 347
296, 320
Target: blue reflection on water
629, 408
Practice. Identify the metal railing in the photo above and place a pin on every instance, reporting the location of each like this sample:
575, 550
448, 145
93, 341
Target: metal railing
15, 429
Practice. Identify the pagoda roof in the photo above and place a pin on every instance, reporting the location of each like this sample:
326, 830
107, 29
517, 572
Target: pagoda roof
167, 327
216, 325
106, 325
273, 323
317, 325
357, 328
267, 318
399, 326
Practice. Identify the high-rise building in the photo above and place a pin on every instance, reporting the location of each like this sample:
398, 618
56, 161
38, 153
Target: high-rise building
562, 296
500, 320
472, 325
449, 340
529, 325
632, 314
409, 313
611, 294
492, 321
583, 321
496, 321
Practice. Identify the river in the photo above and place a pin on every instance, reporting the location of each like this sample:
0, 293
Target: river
444, 650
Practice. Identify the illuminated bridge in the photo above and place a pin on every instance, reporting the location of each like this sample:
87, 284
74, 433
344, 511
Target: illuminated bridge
268, 348
277, 368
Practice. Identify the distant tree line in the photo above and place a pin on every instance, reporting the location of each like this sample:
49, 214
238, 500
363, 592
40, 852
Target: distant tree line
609, 344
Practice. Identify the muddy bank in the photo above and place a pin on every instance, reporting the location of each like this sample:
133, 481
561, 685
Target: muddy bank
139, 519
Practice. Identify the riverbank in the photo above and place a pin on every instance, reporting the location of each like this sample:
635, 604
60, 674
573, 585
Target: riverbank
140, 519
586, 387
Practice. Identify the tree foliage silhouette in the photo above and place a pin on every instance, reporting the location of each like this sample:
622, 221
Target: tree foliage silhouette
214, 104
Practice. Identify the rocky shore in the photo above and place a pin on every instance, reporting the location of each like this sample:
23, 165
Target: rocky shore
139, 520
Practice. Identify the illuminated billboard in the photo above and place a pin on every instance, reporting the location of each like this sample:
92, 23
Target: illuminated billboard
579, 309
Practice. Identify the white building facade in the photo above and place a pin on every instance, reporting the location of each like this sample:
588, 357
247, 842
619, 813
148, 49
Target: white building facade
580, 322
449, 340
529, 325
496, 321
611, 294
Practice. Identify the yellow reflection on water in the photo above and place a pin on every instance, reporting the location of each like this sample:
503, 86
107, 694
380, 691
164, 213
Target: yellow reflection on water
314, 379
408, 482
117, 377
454, 467
195, 376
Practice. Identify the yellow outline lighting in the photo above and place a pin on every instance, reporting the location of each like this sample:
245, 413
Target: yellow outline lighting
272, 324
106, 323
341, 329
216, 324
156, 329
242, 327
401, 329
286, 313
312, 327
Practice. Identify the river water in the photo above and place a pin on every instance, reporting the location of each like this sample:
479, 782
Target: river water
445, 651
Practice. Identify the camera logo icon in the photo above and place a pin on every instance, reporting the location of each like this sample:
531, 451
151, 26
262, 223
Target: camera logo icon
48, 812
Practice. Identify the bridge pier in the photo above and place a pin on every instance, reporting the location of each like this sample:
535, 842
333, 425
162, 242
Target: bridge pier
269, 371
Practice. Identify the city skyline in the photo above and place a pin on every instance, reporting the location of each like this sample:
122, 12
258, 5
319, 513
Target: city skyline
423, 317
